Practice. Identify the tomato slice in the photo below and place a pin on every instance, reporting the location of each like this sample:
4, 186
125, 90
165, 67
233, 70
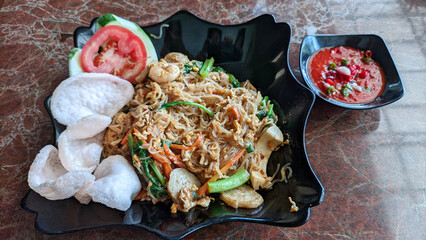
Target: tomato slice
114, 50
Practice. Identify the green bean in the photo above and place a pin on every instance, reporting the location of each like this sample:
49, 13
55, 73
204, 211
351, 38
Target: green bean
236, 180
206, 68
249, 147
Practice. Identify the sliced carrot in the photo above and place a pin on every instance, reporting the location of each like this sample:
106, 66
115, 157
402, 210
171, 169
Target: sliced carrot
183, 147
124, 141
233, 161
140, 195
167, 169
177, 161
234, 110
165, 162
137, 132
203, 189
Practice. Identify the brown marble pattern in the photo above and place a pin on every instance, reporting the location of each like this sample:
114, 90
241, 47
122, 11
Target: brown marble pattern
371, 163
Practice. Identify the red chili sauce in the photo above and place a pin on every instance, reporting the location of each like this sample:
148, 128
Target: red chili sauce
346, 74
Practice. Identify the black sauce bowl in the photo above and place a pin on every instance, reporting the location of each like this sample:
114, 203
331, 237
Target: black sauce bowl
394, 88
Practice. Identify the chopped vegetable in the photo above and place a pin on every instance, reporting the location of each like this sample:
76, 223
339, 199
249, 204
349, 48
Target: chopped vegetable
124, 141
177, 161
165, 142
172, 104
145, 166
236, 180
164, 162
235, 112
249, 147
206, 68
363, 74
192, 66
270, 113
218, 69
368, 54
261, 114
202, 190
332, 66
346, 91
330, 90
344, 61
233, 80
264, 101
329, 81
183, 147
366, 60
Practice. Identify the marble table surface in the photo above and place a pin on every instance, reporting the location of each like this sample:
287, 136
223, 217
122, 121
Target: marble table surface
371, 162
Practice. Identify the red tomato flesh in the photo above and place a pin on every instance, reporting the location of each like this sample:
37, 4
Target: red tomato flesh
114, 50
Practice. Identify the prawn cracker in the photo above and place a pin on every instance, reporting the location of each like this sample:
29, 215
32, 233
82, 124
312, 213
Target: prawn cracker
89, 94
51, 180
116, 184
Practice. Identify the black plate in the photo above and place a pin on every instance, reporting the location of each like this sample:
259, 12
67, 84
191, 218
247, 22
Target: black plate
255, 50
394, 89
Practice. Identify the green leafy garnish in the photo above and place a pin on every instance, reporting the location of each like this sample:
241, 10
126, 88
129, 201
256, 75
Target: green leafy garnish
167, 105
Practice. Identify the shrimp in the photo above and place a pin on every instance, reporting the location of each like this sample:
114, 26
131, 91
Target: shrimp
175, 57
163, 72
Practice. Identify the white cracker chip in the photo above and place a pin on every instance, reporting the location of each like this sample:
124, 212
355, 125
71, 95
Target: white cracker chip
80, 154
51, 180
89, 94
88, 126
116, 185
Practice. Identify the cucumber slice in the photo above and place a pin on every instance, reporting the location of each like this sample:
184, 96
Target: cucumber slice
111, 19
74, 62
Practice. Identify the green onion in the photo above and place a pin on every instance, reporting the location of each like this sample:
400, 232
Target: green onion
261, 114
249, 147
218, 69
148, 166
332, 66
236, 180
367, 89
158, 191
167, 105
206, 68
233, 80
346, 91
330, 90
165, 142
270, 113
366, 60
344, 61
157, 172
264, 101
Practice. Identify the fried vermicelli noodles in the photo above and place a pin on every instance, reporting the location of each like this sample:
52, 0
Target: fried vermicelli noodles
221, 137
